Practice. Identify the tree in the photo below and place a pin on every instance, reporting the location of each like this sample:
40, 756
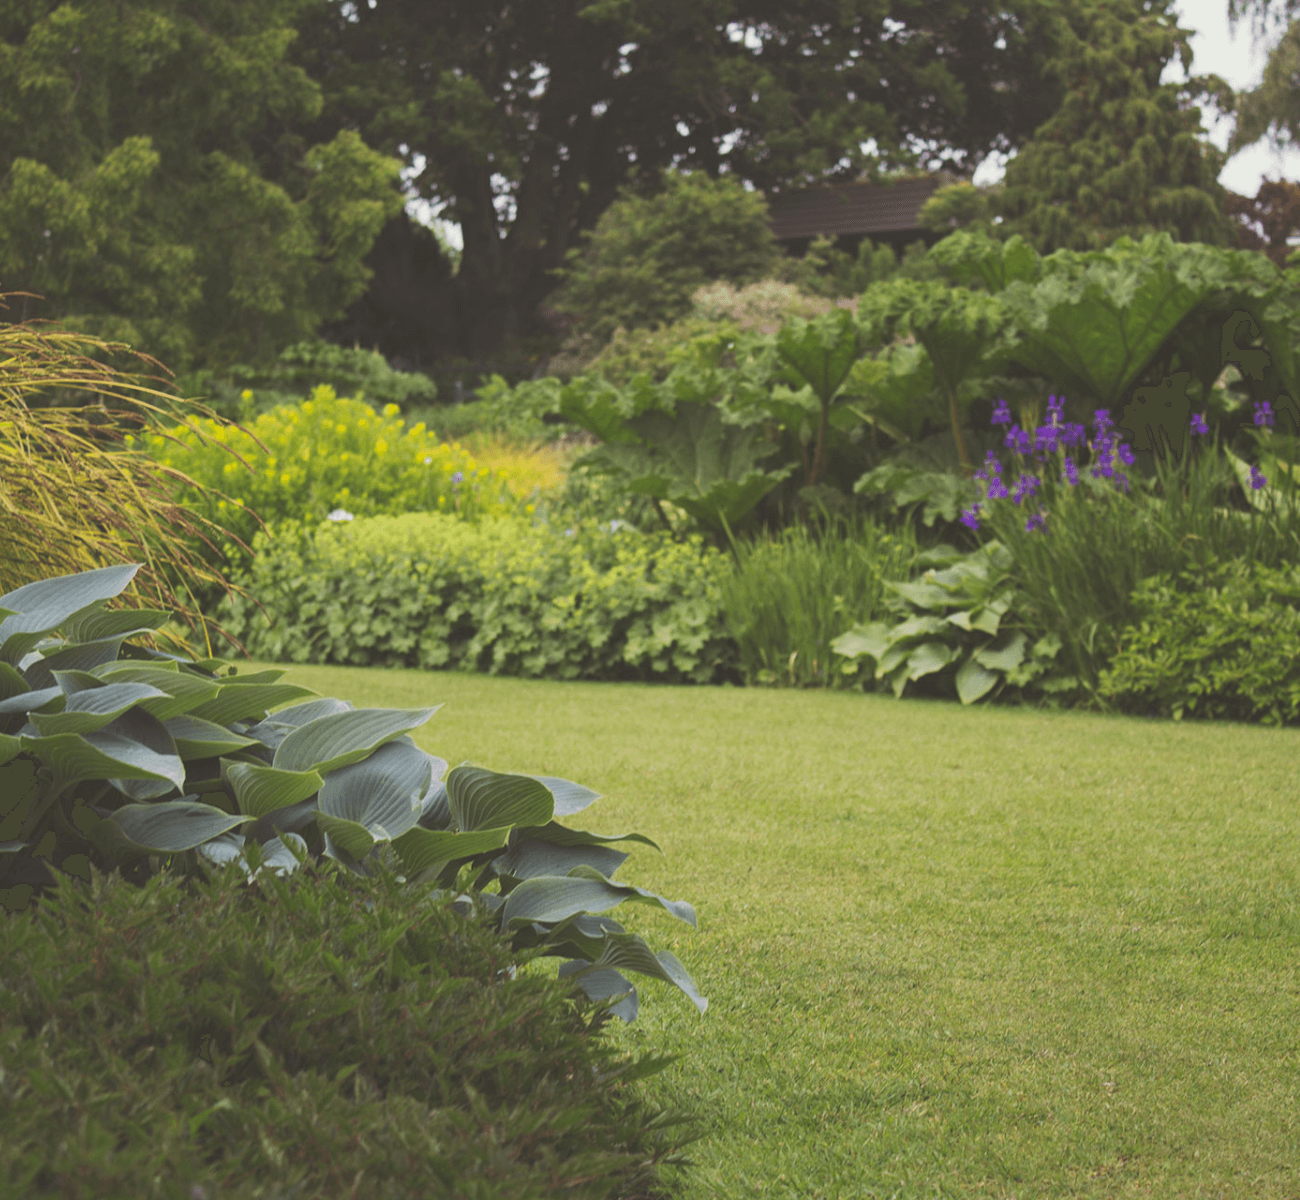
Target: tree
1124, 154
155, 186
1275, 210
521, 122
1271, 110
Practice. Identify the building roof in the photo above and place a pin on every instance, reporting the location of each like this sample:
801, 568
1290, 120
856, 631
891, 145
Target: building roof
852, 208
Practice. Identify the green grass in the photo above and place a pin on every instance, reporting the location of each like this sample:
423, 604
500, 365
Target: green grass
980, 952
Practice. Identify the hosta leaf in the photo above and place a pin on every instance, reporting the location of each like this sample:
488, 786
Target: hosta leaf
482, 799
203, 739
237, 701
603, 985
570, 798
25, 702
276, 855
345, 738
928, 658
261, 790
561, 835
173, 827
96, 624
12, 682
974, 680
550, 899
385, 790
530, 857
46, 604
1005, 656
183, 692
92, 709
10, 747
134, 746
356, 839
627, 952
74, 681
872, 640
421, 849
82, 657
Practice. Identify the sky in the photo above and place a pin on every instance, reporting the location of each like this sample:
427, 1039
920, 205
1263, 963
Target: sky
1236, 56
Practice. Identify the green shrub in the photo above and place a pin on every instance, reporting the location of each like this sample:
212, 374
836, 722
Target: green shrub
324, 454
424, 590
316, 1036
115, 754
1213, 641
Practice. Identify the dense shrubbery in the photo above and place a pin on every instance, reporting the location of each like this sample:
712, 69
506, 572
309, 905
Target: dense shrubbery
1217, 640
330, 453
425, 590
321, 1035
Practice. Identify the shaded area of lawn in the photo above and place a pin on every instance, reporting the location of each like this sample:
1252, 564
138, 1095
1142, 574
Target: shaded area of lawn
949, 952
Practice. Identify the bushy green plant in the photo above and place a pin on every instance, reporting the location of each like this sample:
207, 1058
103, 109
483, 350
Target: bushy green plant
793, 594
322, 1035
1214, 640
329, 453
115, 754
984, 656
424, 590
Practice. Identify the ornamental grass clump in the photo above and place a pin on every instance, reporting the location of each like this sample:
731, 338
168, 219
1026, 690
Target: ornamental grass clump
1078, 574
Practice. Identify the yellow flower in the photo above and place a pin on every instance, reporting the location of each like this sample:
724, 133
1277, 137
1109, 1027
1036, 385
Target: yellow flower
530, 509
391, 410
416, 430
308, 407
340, 428
245, 395
230, 468
362, 424
381, 447
284, 478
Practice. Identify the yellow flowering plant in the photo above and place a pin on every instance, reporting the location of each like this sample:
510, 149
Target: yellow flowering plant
329, 456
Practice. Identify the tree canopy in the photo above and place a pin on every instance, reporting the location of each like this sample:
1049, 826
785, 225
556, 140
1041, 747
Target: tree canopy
155, 185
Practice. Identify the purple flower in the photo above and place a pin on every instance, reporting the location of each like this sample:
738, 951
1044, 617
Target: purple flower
458, 477
1263, 413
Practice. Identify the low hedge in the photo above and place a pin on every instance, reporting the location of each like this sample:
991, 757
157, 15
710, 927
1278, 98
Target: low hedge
302, 1037
500, 596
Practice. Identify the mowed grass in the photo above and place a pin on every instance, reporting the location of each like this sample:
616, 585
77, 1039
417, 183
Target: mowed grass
982, 952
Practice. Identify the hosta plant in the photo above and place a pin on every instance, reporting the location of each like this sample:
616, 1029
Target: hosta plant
983, 656
125, 757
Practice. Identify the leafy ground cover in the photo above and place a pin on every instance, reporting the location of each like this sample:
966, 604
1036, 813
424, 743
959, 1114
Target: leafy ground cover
949, 951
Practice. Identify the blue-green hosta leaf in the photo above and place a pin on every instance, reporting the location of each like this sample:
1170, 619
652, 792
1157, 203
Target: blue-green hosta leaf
95, 624
551, 899
134, 746
25, 702
1006, 655
195, 738
483, 799
239, 700
603, 985
345, 738
92, 709
928, 658
627, 952
435, 812
570, 798
83, 656
918, 627
12, 682
182, 692
276, 854
74, 681
173, 827
10, 747
420, 849
872, 640
561, 835
530, 857
280, 724
261, 790
46, 604
974, 680
380, 795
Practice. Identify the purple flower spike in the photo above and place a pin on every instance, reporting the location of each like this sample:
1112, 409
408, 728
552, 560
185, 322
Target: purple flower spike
1056, 407
1257, 479
970, 517
1198, 423
1126, 454
998, 490
1001, 414
1071, 472
1037, 521
1263, 413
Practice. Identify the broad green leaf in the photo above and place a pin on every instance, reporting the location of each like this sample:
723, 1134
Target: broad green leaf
928, 658
238, 701
275, 853
344, 738
92, 709
820, 352
83, 656
46, 604
25, 702
196, 738
12, 682
603, 985
261, 790
550, 899
594, 404
173, 827
183, 692
561, 835
628, 952
483, 799
74, 681
382, 793
96, 624
10, 747
974, 680
872, 640
135, 746
530, 857
1004, 657
420, 849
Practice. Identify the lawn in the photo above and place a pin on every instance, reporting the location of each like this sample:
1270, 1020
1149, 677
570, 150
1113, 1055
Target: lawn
957, 952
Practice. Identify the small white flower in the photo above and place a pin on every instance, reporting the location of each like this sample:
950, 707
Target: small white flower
340, 514
428, 462
568, 533
615, 526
